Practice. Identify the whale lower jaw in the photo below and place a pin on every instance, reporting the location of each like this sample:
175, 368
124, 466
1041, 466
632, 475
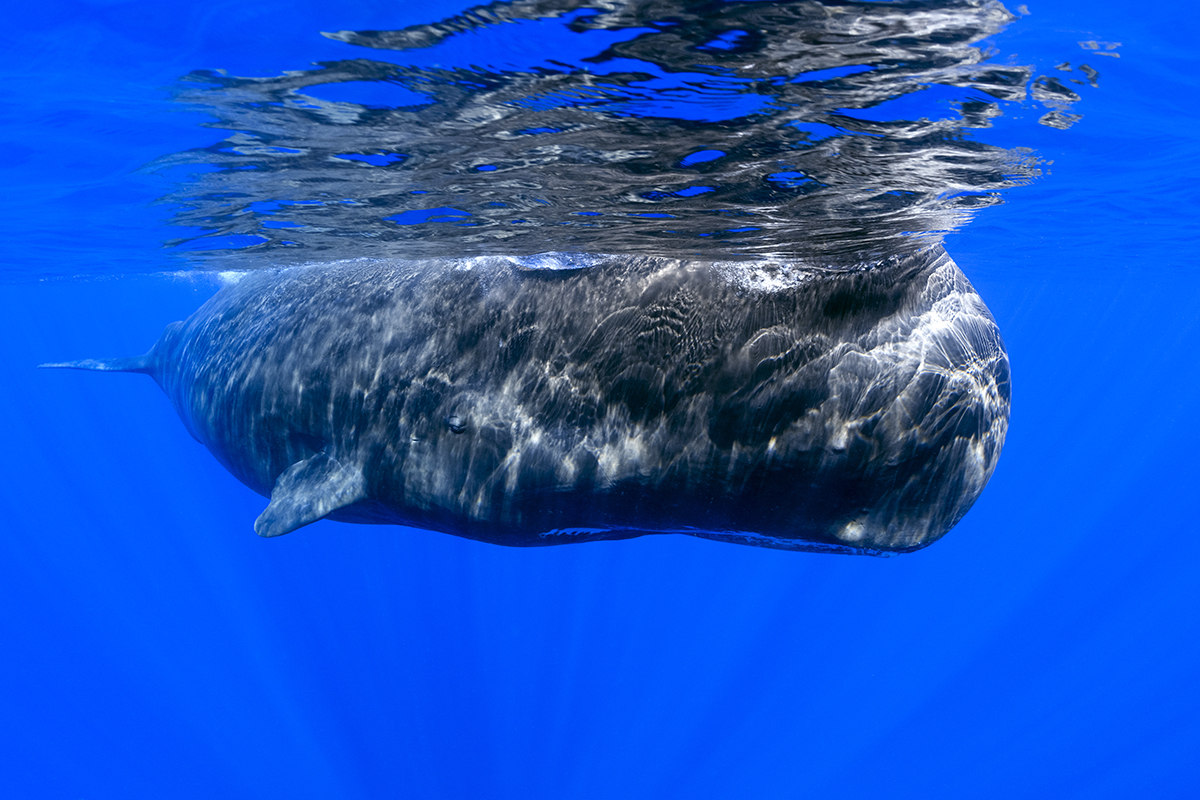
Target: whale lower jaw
557, 536
840, 539
571, 535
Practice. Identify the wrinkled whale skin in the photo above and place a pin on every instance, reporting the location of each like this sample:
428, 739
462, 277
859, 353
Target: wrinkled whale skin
855, 412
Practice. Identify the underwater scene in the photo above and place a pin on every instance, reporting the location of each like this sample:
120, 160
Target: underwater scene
568, 399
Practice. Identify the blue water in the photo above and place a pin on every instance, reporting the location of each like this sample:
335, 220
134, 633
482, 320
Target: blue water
154, 647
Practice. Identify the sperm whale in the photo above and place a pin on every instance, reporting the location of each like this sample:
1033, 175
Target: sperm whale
560, 399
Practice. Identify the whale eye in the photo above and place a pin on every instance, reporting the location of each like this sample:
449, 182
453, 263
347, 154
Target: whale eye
456, 423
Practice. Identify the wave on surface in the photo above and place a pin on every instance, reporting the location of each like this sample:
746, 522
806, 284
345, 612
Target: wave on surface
827, 133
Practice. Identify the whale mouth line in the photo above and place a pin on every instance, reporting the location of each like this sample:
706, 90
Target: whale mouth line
580, 534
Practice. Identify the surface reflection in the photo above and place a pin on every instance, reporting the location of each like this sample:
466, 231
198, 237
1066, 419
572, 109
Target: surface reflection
836, 134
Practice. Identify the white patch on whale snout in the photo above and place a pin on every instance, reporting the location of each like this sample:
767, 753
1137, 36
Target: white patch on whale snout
852, 531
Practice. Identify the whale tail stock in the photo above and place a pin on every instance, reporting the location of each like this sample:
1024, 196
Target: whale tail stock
147, 364
143, 364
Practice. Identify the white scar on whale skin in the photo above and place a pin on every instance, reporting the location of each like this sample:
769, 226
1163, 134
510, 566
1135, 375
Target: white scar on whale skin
517, 402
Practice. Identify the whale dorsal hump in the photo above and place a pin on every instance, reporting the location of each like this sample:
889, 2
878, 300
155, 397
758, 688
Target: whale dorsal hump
308, 491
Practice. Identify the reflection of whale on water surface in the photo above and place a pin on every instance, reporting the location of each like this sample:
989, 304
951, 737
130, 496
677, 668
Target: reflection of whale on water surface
537, 401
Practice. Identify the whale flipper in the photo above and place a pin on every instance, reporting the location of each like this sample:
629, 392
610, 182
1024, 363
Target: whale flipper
310, 490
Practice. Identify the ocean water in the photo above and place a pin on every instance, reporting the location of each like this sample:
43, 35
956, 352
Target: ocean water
155, 647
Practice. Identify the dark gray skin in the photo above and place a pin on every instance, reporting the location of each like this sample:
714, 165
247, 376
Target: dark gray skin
855, 412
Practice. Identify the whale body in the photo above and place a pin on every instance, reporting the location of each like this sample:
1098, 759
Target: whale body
533, 402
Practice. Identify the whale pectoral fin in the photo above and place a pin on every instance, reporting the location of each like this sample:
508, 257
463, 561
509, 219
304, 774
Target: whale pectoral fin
308, 491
